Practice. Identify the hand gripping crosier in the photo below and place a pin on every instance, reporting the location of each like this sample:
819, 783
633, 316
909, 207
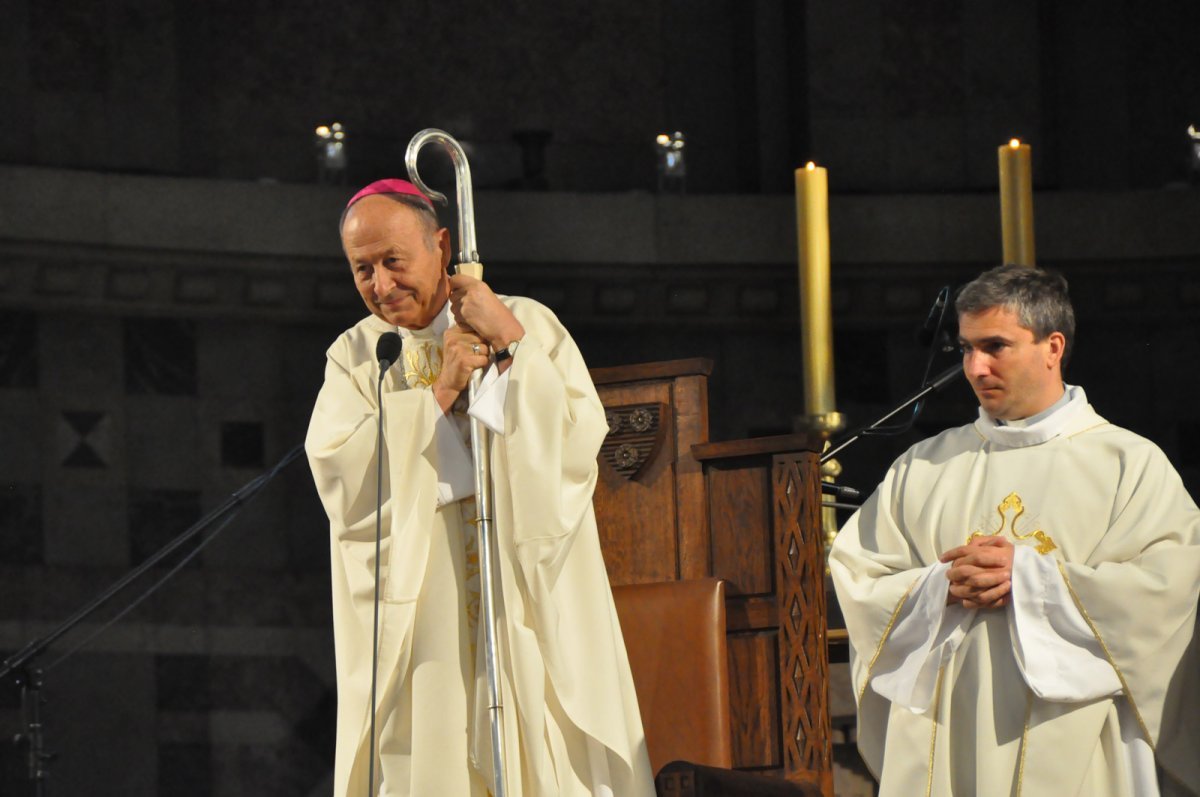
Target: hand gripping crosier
468, 263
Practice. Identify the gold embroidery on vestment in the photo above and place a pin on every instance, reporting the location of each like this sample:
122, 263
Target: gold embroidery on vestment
1024, 739
422, 364
933, 715
471, 579
1013, 503
1120, 675
887, 631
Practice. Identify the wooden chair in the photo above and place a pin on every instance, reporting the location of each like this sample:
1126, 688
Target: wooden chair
675, 636
672, 506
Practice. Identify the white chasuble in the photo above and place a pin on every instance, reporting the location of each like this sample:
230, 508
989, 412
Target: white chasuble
571, 722
1088, 676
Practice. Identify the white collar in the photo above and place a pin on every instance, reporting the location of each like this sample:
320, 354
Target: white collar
1022, 423
436, 329
1040, 428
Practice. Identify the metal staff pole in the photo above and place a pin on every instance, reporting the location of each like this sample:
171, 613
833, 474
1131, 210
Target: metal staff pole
490, 597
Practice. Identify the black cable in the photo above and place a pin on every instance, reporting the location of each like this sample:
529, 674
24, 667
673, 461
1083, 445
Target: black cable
249, 490
231, 505
182, 563
934, 385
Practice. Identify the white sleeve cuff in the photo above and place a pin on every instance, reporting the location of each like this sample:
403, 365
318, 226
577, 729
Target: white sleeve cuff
926, 634
488, 406
1059, 656
456, 473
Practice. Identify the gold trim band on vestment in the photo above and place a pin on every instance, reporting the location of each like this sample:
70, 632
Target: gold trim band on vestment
1024, 740
933, 716
1120, 675
886, 632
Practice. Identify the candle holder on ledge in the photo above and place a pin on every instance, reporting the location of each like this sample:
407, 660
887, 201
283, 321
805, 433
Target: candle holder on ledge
826, 425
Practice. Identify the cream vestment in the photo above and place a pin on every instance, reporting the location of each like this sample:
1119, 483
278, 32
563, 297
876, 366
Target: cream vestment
571, 718
1088, 676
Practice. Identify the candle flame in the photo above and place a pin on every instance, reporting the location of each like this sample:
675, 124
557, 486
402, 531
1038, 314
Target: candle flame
1014, 143
810, 166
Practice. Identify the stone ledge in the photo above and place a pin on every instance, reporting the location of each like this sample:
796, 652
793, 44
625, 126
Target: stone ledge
286, 220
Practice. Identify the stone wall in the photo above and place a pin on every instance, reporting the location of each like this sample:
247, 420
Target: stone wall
162, 340
894, 96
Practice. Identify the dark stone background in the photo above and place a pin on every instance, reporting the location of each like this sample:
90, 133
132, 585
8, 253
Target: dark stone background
170, 277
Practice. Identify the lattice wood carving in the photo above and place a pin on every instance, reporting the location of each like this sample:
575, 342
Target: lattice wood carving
803, 660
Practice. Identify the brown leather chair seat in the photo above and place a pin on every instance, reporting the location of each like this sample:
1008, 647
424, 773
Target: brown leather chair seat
675, 636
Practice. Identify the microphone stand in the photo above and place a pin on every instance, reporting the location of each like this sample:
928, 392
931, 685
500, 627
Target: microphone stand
387, 351
931, 387
31, 679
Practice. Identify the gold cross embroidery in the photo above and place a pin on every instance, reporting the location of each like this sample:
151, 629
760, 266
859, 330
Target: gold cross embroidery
1013, 504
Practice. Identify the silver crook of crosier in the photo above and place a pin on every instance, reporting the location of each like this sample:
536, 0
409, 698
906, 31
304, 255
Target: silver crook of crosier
468, 253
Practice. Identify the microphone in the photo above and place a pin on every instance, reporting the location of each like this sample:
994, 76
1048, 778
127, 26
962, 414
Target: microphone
387, 351
930, 328
841, 492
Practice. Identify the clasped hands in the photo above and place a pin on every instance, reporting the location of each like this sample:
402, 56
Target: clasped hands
980, 573
482, 323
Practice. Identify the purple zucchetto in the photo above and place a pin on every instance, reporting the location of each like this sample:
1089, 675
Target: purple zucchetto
391, 185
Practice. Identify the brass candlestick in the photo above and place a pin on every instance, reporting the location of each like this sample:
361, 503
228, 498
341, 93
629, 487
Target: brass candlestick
816, 321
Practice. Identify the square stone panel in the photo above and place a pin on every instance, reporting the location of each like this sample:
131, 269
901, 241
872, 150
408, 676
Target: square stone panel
302, 360
85, 439
14, 607
242, 444
100, 720
167, 443
18, 350
23, 418
160, 356
185, 770
66, 54
253, 542
287, 768
241, 360
21, 524
158, 516
318, 728
85, 522
306, 525
182, 683
259, 599
922, 58
81, 358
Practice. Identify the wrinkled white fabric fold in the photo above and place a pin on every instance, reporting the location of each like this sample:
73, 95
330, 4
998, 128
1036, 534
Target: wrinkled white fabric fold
598, 763
1056, 651
925, 635
456, 474
1143, 774
488, 406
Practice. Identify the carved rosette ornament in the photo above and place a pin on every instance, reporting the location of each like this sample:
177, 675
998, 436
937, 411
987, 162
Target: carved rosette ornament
635, 433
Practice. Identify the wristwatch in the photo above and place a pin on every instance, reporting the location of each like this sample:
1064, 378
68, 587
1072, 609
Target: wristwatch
507, 352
